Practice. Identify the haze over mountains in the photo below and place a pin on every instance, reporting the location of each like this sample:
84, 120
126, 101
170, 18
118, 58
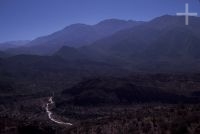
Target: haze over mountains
75, 35
163, 44
13, 44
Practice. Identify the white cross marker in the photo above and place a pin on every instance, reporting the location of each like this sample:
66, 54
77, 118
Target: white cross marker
187, 14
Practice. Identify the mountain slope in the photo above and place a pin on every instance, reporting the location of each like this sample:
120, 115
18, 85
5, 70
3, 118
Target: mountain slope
70, 53
3, 54
102, 91
164, 43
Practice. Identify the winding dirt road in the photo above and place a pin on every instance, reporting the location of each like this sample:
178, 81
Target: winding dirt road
49, 113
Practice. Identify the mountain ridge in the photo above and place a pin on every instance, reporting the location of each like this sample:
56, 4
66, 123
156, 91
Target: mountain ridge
75, 35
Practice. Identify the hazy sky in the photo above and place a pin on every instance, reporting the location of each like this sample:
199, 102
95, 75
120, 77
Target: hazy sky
28, 19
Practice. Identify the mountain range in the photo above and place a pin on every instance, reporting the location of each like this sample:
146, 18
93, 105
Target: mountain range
75, 35
163, 44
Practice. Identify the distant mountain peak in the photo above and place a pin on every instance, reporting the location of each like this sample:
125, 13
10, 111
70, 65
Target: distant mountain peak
112, 21
77, 25
116, 22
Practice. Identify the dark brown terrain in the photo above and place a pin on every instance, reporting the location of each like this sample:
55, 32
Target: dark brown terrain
145, 105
